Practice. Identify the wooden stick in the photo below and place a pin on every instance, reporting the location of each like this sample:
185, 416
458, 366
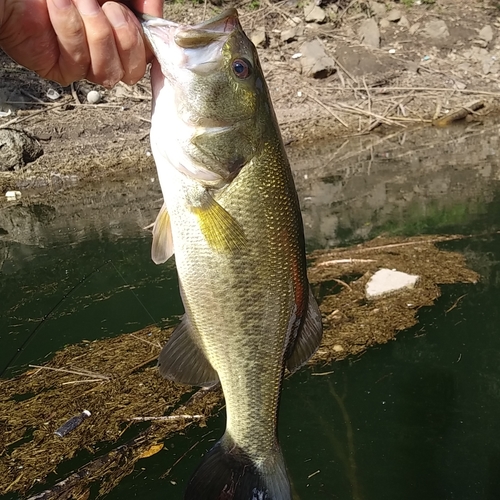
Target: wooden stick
324, 106
19, 120
74, 372
167, 418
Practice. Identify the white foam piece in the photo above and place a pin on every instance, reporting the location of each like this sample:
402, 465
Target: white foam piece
386, 281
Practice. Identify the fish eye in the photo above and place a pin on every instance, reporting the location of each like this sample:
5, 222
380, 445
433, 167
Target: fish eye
241, 68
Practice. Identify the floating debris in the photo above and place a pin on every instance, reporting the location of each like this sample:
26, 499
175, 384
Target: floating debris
72, 424
386, 281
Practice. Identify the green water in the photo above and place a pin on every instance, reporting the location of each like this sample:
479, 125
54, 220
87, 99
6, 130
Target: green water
417, 418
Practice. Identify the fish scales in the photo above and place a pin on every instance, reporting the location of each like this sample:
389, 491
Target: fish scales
258, 293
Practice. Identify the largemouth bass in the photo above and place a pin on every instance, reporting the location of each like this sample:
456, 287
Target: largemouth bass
231, 214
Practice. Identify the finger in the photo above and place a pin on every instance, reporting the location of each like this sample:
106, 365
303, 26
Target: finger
105, 65
74, 57
129, 42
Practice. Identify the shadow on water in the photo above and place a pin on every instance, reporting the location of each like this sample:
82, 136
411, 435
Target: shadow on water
416, 418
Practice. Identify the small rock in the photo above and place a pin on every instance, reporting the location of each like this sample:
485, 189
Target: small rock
260, 38
385, 23
291, 34
369, 33
394, 15
436, 29
52, 94
314, 61
13, 195
486, 34
93, 97
460, 85
480, 43
379, 9
414, 28
386, 281
338, 348
17, 149
314, 14
403, 22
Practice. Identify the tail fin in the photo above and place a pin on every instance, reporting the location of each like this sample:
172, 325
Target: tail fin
227, 473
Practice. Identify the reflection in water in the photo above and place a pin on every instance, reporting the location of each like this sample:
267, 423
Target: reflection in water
413, 419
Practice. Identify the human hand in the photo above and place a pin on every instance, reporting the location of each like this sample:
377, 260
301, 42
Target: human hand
68, 40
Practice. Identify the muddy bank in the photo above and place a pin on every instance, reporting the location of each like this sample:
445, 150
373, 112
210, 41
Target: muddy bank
376, 65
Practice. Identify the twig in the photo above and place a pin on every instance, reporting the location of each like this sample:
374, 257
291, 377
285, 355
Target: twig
387, 121
455, 304
327, 109
19, 120
423, 89
344, 261
74, 372
168, 418
408, 243
459, 114
343, 283
75, 95
83, 381
146, 341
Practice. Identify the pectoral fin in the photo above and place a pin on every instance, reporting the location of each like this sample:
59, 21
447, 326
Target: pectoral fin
308, 338
183, 361
221, 230
163, 244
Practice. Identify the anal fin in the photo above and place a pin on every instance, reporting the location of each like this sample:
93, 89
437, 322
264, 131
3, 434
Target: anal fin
163, 244
309, 336
183, 361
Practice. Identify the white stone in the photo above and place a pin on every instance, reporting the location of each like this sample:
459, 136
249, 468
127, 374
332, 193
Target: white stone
13, 195
386, 281
93, 97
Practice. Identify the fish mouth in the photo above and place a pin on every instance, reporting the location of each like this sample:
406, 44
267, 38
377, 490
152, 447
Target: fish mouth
197, 48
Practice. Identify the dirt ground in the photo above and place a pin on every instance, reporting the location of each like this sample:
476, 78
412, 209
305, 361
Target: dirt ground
434, 57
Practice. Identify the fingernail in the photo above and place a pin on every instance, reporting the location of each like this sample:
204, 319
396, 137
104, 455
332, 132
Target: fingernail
116, 16
87, 7
62, 4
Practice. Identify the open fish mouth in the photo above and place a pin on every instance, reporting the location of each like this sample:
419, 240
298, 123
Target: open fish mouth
196, 48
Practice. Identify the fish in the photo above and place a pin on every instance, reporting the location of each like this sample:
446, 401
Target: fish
231, 217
